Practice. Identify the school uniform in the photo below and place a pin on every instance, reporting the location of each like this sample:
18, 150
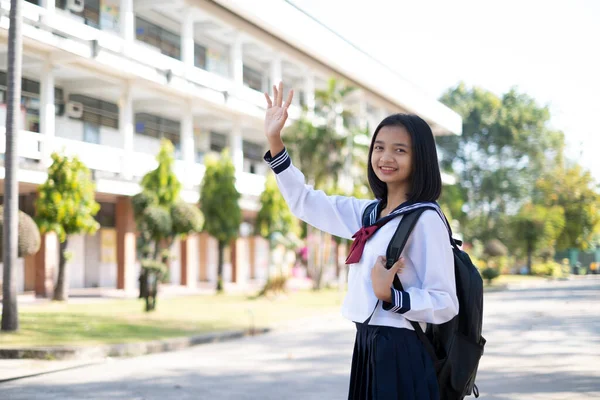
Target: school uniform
389, 361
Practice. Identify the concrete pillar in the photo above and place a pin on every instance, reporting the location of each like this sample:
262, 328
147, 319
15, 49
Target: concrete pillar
276, 74
252, 256
188, 148
189, 261
203, 249
126, 244
127, 21
237, 60
126, 129
46, 262
236, 143
187, 40
47, 113
309, 93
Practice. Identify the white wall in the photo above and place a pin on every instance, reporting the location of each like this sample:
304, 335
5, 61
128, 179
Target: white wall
175, 264
111, 137
92, 260
69, 128
20, 274
146, 144
76, 267
193, 260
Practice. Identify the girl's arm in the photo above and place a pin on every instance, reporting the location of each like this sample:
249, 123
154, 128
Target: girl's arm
338, 215
430, 252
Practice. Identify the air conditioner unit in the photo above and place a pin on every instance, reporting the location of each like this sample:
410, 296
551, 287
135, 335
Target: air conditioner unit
74, 109
75, 5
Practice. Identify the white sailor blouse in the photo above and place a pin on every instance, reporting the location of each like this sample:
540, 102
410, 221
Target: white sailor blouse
429, 294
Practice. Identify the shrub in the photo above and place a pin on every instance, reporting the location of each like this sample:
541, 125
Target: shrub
29, 239
489, 274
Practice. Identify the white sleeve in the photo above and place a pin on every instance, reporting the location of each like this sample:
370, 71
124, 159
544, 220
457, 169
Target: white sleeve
338, 215
430, 252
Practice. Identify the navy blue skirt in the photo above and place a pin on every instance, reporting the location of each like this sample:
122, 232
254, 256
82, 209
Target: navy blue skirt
391, 364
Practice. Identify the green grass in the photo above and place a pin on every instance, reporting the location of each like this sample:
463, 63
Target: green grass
121, 321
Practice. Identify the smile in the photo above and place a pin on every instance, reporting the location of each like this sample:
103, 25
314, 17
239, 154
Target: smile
387, 170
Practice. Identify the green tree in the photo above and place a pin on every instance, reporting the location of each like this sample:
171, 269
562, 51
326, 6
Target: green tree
274, 218
10, 319
327, 146
161, 217
537, 227
574, 190
505, 145
66, 205
219, 201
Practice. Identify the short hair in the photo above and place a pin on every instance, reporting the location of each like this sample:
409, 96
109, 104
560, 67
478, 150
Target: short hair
425, 178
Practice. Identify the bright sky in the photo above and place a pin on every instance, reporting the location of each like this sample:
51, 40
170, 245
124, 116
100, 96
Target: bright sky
549, 49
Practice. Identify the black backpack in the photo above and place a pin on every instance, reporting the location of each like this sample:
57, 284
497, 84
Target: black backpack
457, 345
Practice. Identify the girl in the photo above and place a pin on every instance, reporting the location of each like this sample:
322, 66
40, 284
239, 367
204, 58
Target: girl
389, 361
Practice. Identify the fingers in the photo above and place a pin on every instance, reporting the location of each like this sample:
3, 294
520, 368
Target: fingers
279, 102
269, 102
398, 265
275, 95
289, 99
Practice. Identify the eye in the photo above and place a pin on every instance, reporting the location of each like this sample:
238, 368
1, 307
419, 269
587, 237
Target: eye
378, 148
401, 150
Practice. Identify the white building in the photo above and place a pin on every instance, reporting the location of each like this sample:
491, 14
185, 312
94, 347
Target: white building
106, 79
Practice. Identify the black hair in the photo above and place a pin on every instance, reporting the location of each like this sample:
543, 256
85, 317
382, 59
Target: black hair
425, 178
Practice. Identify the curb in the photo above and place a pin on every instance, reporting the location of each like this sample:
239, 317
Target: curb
124, 349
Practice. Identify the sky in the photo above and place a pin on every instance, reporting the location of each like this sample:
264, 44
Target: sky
547, 49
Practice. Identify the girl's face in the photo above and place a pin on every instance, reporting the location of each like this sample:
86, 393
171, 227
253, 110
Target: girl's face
392, 156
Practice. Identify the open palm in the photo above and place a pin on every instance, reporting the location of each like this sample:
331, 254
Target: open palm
276, 112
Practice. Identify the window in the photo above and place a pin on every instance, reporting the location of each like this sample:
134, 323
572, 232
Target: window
91, 133
217, 62
97, 111
218, 142
167, 42
199, 56
106, 215
30, 99
253, 155
90, 13
253, 78
158, 127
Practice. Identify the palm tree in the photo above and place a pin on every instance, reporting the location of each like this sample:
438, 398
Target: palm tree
10, 320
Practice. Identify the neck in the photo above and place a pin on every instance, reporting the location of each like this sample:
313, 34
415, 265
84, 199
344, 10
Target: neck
396, 196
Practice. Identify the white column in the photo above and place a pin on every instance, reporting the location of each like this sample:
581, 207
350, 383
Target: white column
309, 93
237, 60
236, 144
187, 40
127, 20
188, 148
47, 112
49, 5
276, 74
363, 116
126, 129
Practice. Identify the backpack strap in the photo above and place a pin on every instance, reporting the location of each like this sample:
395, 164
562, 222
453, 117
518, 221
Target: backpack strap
393, 252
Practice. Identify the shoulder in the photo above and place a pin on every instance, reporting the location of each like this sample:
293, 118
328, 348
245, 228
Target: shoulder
431, 224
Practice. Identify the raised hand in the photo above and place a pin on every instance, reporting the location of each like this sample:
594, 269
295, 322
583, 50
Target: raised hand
276, 113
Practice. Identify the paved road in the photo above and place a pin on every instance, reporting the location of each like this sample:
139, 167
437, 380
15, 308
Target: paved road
543, 343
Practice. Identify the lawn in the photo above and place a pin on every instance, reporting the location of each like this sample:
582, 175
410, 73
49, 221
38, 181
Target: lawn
119, 321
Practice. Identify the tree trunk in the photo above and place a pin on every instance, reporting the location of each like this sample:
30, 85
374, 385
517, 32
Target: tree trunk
61, 292
10, 318
529, 258
220, 267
